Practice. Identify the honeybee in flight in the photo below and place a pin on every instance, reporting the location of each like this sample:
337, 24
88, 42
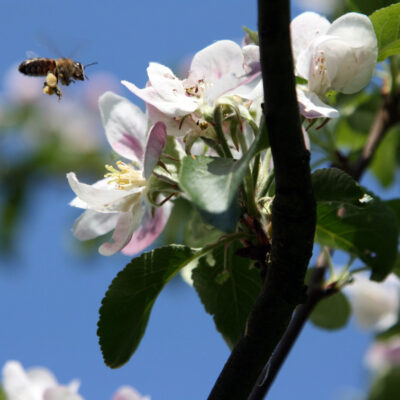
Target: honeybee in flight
63, 70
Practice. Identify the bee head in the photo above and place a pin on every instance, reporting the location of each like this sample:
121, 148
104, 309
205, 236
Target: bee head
79, 74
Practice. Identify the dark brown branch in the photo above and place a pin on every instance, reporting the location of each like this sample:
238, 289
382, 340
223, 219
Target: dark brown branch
315, 293
293, 212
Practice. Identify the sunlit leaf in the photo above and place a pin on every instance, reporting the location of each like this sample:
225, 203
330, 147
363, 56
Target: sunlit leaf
386, 23
367, 6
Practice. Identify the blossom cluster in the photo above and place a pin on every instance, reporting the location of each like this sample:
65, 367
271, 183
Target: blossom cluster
39, 383
340, 56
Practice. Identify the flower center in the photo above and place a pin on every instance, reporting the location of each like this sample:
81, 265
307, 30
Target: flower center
319, 82
125, 177
198, 90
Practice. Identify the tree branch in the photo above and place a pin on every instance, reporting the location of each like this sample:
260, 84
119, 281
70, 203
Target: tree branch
293, 211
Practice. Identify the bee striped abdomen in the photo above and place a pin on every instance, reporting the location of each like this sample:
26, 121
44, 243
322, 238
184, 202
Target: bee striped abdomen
37, 66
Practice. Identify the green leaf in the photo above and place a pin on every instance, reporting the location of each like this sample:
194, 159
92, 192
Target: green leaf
332, 313
212, 183
171, 158
227, 294
386, 23
394, 205
384, 162
2, 394
370, 232
386, 385
332, 184
127, 305
253, 35
367, 6
198, 233
396, 267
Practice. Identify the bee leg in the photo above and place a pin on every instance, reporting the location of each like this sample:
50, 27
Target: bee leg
52, 90
51, 80
50, 86
58, 92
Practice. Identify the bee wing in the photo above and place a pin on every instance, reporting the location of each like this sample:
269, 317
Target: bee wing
31, 54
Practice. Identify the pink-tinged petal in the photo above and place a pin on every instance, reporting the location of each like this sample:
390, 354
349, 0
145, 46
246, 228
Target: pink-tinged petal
375, 305
251, 54
29, 385
219, 59
125, 125
61, 393
92, 224
311, 106
149, 230
383, 354
129, 393
304, 29
164, 81
175, 107
176, 126
126, 225
154, 148
101, 196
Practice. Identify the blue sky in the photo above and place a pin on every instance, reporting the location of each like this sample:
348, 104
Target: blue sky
50, 296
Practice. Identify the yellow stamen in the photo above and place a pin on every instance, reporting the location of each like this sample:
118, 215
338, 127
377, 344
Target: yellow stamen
125, 177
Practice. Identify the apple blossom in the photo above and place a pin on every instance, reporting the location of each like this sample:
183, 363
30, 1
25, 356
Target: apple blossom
118, 201
375, 305
35, 384
340, 56
129, 393
215, 71
383, 354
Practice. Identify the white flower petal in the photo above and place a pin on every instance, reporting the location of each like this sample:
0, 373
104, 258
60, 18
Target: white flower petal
186, 272
311, 106
125, 125
304, 28
213, 62
175, 106
100, 198
129, 393
357, 64
92, 224
175, 126
61, 393
376, 305
29, 385
126, 225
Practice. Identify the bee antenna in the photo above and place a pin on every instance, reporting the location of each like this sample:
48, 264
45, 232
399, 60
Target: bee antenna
88, 65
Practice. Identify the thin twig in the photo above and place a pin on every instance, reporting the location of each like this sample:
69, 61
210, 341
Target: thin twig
387, 116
